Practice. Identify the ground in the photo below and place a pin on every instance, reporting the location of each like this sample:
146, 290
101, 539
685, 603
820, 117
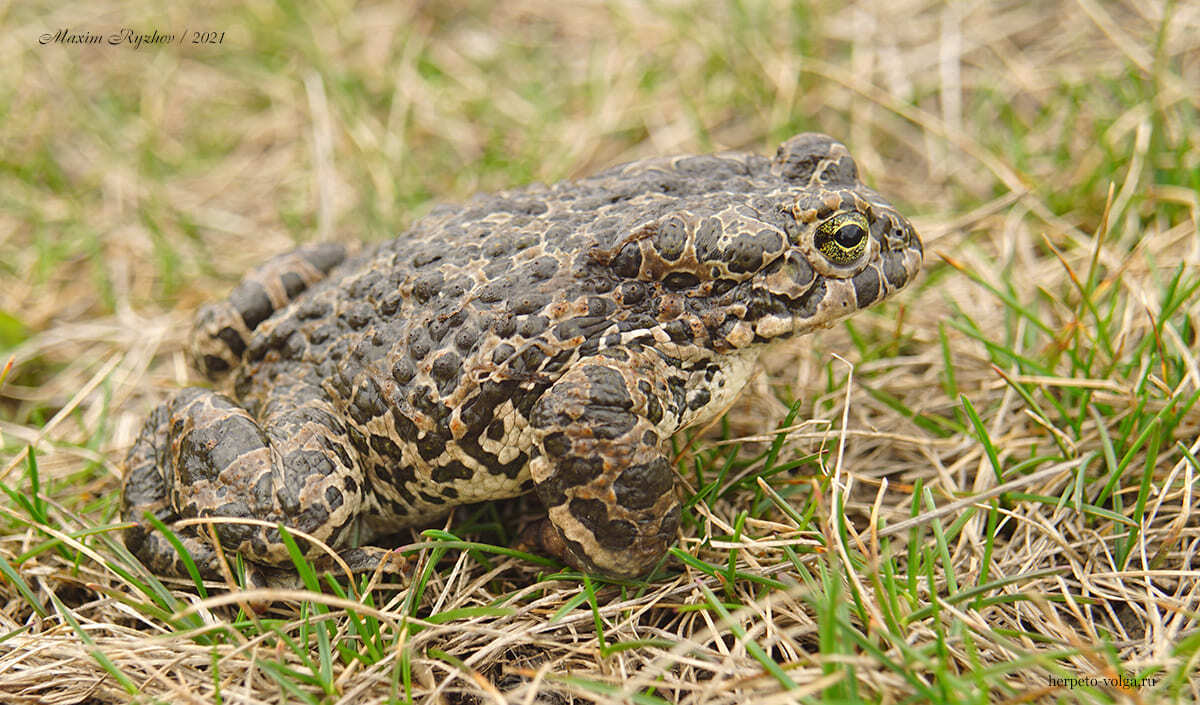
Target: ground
985, 490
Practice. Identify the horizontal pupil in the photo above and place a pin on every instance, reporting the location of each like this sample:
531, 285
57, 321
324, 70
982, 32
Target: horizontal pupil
848, 236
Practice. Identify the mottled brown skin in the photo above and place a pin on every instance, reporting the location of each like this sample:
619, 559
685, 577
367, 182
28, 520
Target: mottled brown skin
550, 338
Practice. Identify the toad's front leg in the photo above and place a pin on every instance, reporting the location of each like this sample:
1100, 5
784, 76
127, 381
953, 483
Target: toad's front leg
601, 464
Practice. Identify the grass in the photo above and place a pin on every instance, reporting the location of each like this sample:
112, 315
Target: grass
984, 491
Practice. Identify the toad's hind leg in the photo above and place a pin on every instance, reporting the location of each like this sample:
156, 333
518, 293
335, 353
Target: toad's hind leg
221, 330
146, 488
601, 466
200, 455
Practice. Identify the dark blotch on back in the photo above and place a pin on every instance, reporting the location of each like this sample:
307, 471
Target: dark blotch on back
446, 370
745, 253
671, 238
357, 315
707, 236
585, 326
678, 281
540, 269
528, 302
628, 261
427, 286
419, 343
367, 402
403, 371
632, 293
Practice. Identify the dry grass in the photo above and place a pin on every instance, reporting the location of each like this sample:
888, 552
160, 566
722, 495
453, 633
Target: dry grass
1005, 493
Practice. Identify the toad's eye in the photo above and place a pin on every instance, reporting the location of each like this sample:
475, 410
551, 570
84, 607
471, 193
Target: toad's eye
843, 238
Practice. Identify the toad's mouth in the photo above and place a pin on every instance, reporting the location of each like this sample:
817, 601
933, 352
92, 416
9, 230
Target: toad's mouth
778, 315
751, 314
